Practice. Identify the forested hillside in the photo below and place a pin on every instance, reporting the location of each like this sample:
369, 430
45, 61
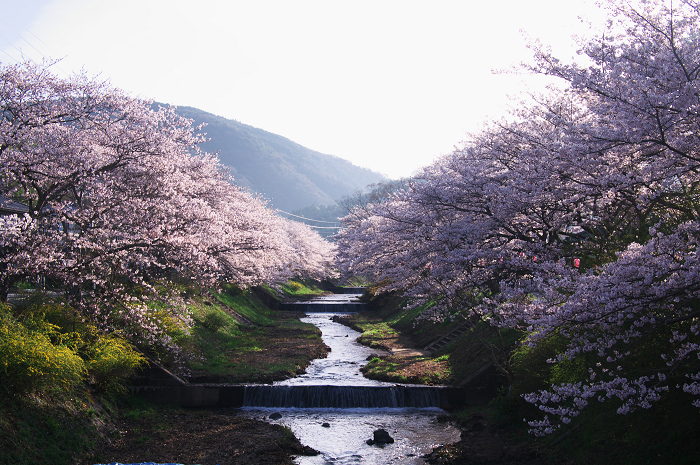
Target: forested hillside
289, 175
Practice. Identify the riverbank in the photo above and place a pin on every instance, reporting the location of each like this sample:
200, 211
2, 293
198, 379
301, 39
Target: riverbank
165, 434
489, 435
235, 338
494, 431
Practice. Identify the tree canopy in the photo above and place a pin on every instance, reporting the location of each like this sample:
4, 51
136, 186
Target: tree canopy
119, 196
575, 219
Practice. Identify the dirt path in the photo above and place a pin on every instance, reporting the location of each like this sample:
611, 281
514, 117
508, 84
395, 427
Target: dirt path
407, 352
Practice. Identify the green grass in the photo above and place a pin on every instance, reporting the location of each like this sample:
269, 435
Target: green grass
231, 351
246, 304
33, 424
391, 318
375, 333
358, 281
298, 288
33, 429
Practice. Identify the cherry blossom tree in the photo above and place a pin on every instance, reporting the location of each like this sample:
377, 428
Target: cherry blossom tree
642, 90
310, 256
578, 218
119, 196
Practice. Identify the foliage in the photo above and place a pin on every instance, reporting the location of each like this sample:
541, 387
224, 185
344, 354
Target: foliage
276, 345
29, 360
577, 222
32, 423
295, 287
121, 199
248, 306
111, 361
46, 349
214, 320
51, 428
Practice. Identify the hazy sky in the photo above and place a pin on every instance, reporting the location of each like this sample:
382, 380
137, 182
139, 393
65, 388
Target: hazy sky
388, 85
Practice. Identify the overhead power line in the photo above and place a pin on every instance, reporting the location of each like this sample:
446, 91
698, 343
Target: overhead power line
309, 219
24, 39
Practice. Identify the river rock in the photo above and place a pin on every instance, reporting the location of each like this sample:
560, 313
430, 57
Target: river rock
381, 436
275, 416
326, 425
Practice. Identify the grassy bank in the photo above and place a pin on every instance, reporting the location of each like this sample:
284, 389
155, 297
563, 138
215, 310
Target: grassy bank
391, 325
493, 429
235, 338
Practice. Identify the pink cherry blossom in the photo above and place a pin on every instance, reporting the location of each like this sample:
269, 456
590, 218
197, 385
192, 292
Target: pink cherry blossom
603, 170
120, 198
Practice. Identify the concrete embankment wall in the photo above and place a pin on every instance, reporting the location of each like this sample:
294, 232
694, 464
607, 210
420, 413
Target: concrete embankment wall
194, 395
160, 385
350, 290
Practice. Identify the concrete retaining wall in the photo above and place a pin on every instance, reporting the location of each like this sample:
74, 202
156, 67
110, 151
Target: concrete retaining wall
194, 395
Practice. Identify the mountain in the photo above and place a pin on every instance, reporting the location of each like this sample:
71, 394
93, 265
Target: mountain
287, 174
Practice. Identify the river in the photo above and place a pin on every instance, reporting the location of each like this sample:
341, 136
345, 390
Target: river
340, 433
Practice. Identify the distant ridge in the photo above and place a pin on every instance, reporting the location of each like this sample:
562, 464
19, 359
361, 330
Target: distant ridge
289, 175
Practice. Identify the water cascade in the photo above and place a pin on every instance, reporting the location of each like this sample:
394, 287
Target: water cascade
333, 303
396, 396
334, 409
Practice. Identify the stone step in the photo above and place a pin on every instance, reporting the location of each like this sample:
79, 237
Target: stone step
447, 338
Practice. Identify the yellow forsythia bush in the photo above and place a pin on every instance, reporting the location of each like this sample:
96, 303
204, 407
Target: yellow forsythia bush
29, 361
111, 361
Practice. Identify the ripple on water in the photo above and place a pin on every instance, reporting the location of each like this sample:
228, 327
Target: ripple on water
415, 431
347, 356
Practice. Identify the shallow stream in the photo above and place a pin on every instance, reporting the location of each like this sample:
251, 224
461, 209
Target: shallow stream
340, 434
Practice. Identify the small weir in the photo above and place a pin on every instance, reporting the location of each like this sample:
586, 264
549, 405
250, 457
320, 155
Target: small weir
334, 409
396, 396
332, 303
351, 290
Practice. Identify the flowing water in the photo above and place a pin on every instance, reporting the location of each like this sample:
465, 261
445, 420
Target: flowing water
346, 357
340, 433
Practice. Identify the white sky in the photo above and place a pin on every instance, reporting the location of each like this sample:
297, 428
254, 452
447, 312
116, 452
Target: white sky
386, 84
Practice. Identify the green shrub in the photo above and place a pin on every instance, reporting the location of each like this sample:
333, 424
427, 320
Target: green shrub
214, 320
48, 347
530, 367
